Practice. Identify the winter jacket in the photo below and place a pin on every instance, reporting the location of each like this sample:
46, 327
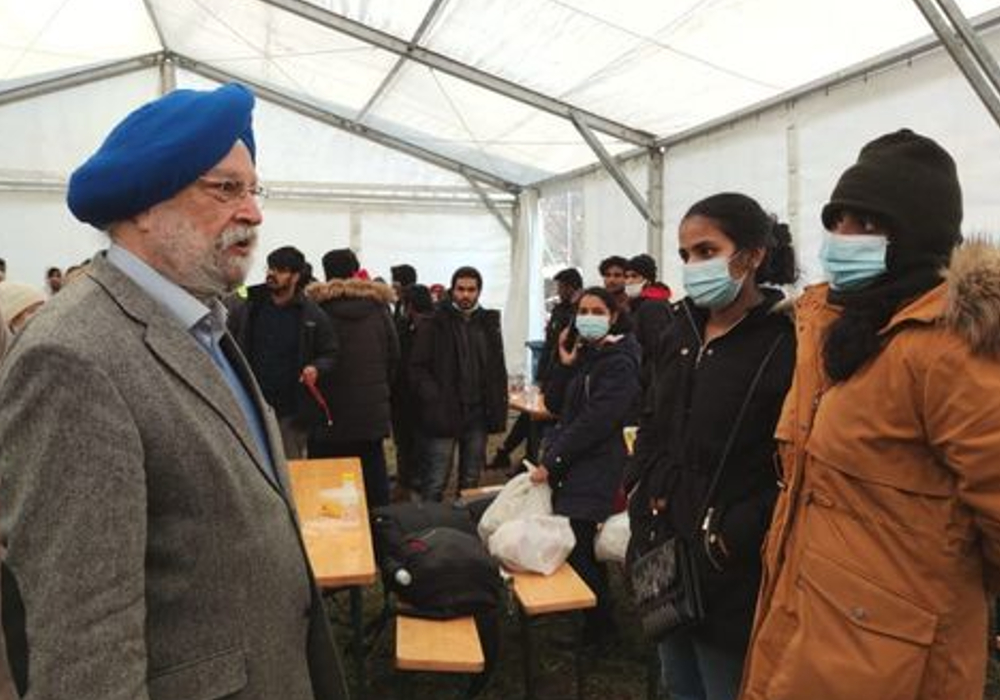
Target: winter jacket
585, 454
435, 374
651, 313
693, 402
357, 390
317, 343
886, 534
561, 318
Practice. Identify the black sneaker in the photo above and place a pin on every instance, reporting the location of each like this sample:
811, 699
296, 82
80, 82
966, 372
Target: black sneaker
501, 460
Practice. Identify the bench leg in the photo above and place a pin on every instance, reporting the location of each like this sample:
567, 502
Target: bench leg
527, 654
358, 643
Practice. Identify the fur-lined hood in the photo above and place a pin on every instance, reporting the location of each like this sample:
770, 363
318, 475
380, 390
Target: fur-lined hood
972, 306
354, 288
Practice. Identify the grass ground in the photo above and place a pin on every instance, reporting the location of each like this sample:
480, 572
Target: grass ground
619, 673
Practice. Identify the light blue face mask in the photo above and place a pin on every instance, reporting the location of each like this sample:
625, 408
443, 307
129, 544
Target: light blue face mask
592, 327
709, 283
854, 261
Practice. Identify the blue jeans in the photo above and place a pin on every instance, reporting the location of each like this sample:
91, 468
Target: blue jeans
437, 457
693, 670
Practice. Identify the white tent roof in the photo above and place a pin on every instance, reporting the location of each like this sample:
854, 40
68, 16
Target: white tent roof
485, 84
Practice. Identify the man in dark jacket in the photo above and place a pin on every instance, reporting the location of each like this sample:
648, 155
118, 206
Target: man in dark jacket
289, 343
458, 374
358, 388
649, 302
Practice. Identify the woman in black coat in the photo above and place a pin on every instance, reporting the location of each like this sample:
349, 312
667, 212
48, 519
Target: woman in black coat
723, 333
591, 389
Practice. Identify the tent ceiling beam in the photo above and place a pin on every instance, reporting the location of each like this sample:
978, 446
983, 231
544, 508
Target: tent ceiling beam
504, 87
326, 117
156, 23
966, 50
429, 16
168, 74
80, 77
491, 206
609, 163
902, 54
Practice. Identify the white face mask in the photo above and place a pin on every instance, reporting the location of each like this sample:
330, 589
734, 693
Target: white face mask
632, 291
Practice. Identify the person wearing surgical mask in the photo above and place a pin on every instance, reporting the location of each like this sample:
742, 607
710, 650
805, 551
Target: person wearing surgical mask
649, 301
591, 388
885, 545
705, 418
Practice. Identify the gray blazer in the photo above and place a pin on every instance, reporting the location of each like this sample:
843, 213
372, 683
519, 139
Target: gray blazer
148, 555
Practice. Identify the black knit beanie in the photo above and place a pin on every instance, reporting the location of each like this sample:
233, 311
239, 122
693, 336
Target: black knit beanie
404, 274
643, 265
340, 263
910, 182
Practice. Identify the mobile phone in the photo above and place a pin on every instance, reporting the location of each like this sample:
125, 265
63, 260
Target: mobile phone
571, 338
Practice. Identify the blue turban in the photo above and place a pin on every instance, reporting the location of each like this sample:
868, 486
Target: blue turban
158, 150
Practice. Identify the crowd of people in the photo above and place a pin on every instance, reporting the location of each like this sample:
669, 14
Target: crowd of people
831, 461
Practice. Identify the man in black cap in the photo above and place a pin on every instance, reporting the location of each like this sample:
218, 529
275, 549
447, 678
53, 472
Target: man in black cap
152, 545
649, 301
289, 343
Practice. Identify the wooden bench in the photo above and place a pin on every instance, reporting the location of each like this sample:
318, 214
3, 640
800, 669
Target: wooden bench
441, 646
561, 592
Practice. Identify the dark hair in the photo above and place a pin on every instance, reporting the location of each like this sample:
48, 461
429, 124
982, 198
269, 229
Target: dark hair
621, 323
3, 264
286, 258
51, 270
418, 298
612, 261
467, 272
747, 225
570, 277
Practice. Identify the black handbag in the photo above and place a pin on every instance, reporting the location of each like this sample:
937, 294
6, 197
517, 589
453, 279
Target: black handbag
664, 579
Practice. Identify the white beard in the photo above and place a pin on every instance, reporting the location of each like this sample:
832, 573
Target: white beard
199, 264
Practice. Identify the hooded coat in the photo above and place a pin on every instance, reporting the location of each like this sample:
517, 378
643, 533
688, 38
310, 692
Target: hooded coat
357, 389
885, 539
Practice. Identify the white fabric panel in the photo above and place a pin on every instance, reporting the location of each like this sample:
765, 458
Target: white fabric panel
293, 148
38, 232
480, 127
276, 48
390, 16
40, 36
312, 227
436, 244
53, 134
612, 225
749, 158
521, 293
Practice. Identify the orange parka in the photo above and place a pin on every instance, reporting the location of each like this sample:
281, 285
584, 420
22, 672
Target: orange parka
886, 536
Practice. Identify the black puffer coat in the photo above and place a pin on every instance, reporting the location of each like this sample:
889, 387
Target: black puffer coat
357, 390
585, 454
435, 375
690, 410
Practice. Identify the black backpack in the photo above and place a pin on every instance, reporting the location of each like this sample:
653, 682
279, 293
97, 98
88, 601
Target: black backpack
433, 560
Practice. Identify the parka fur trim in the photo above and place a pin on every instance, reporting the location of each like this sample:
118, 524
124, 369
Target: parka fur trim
973, 300
354, 288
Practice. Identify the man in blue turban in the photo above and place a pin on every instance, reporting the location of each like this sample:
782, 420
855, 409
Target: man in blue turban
153, 550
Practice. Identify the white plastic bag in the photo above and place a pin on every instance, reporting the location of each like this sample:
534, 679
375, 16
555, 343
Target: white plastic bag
518, 499
538, 543
612, 540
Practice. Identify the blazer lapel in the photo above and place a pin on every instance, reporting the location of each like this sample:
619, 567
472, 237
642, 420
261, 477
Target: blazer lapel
176, 348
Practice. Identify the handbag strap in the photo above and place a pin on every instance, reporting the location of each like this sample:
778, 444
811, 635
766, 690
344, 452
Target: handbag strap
737, 424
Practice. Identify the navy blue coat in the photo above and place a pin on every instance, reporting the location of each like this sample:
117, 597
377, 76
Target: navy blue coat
585, 453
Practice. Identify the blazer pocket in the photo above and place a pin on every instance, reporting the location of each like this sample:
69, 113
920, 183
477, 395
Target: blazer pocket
204, 679
853, 637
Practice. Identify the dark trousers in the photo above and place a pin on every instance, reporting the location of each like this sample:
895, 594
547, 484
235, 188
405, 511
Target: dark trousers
600, 619
518, 433
372, 458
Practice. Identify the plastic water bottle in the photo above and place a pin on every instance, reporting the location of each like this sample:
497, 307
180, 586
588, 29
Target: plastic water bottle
350, 500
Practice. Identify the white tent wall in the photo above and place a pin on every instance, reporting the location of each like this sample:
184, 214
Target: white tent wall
611, 223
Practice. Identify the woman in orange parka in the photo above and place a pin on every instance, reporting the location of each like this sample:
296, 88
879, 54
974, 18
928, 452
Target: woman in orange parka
885, 542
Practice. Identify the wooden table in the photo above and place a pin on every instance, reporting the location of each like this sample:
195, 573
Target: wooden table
532, 403
341, 554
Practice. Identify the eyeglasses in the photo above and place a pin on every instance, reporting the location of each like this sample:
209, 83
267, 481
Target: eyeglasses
232, 190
